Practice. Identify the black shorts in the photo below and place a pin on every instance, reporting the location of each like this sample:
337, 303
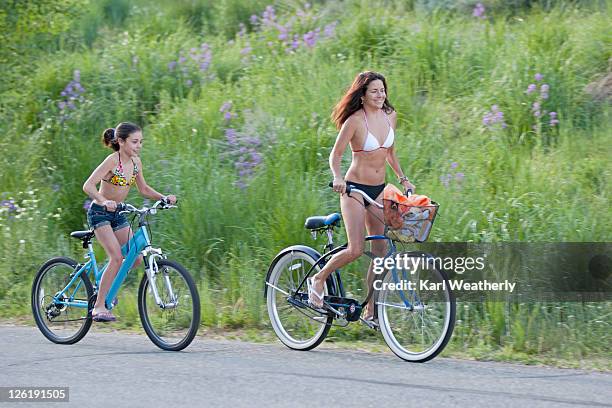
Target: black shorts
372, 191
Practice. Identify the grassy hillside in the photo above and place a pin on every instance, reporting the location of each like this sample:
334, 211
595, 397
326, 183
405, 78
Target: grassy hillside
501, 120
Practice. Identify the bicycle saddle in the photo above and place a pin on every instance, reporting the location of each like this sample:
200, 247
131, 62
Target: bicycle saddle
322, 221
84, 235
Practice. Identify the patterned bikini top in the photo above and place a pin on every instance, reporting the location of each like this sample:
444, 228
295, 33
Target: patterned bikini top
118, 177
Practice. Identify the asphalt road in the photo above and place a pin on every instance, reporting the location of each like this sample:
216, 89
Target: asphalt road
123, 370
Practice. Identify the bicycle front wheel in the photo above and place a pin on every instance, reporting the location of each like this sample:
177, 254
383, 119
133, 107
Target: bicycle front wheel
172, 323
296, 325
54, 302
417, 318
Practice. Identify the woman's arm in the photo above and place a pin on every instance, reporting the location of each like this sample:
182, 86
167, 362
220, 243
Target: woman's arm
148, 191
335, 158
394, 161
90, 187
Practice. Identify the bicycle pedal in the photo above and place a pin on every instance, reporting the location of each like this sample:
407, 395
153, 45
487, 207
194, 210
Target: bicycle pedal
296, 303
370, 323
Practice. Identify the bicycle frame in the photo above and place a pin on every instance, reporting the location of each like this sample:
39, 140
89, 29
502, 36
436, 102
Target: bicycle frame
332, 251
138, 243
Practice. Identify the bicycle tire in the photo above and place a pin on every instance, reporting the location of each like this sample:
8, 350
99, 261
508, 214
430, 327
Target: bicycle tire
276, 299
43, 320
185, 335
441, 310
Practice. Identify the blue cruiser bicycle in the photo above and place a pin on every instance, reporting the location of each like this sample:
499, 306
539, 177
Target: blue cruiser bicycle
64, 291
414, 308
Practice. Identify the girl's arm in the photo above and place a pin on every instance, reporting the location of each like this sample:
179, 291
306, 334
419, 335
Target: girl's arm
148, 191
335, 158
394, 161
90, 187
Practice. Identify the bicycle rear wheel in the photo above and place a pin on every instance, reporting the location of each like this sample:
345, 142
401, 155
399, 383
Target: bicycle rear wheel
58, 322
296, 325
417, 323
172, 325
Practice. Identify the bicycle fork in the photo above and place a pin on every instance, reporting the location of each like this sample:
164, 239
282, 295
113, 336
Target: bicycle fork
151, 269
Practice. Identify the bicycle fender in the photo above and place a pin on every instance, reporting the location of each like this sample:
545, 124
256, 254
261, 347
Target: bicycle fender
294, 248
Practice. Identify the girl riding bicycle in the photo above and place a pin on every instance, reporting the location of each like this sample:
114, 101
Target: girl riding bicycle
367, 122
116, 174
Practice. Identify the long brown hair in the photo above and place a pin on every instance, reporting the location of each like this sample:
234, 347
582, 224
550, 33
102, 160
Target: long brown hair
351, 101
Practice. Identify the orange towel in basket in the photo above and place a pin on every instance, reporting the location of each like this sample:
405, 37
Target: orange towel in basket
394, 194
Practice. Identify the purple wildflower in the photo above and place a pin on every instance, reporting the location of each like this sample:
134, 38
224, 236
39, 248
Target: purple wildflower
72, 92
535, 108
310, 39
454, 165
538, 77
531, 88
246, 50
459, 176
544, 91
445, 179
231, 136
253, 19
330, 29
295, 44
226, 106
242, 31
189, 82
479, 11
284, 33
553, 118
493, 117
10, 204
171, 65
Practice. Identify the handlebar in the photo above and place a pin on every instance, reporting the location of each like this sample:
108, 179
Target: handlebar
352, 189
123, 208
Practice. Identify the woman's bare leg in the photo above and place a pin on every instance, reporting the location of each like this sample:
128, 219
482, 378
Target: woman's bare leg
375, 226
353, 214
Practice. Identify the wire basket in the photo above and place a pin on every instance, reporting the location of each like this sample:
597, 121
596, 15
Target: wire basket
407, 223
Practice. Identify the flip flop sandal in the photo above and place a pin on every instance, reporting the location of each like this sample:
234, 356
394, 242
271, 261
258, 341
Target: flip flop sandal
104, 317
313, 297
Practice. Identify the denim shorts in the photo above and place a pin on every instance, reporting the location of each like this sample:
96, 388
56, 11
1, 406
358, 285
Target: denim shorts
98, 216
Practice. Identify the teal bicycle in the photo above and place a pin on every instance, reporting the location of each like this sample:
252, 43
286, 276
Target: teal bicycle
63, 294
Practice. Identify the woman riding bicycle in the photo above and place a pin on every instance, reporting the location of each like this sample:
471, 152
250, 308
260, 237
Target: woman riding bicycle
366, 120
116, 174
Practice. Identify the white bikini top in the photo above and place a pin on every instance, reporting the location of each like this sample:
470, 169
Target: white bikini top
371, 143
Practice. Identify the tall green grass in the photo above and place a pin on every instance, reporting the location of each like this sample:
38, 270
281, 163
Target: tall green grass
445, 69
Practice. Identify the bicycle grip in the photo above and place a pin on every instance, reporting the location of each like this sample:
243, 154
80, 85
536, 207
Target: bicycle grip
348, 187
